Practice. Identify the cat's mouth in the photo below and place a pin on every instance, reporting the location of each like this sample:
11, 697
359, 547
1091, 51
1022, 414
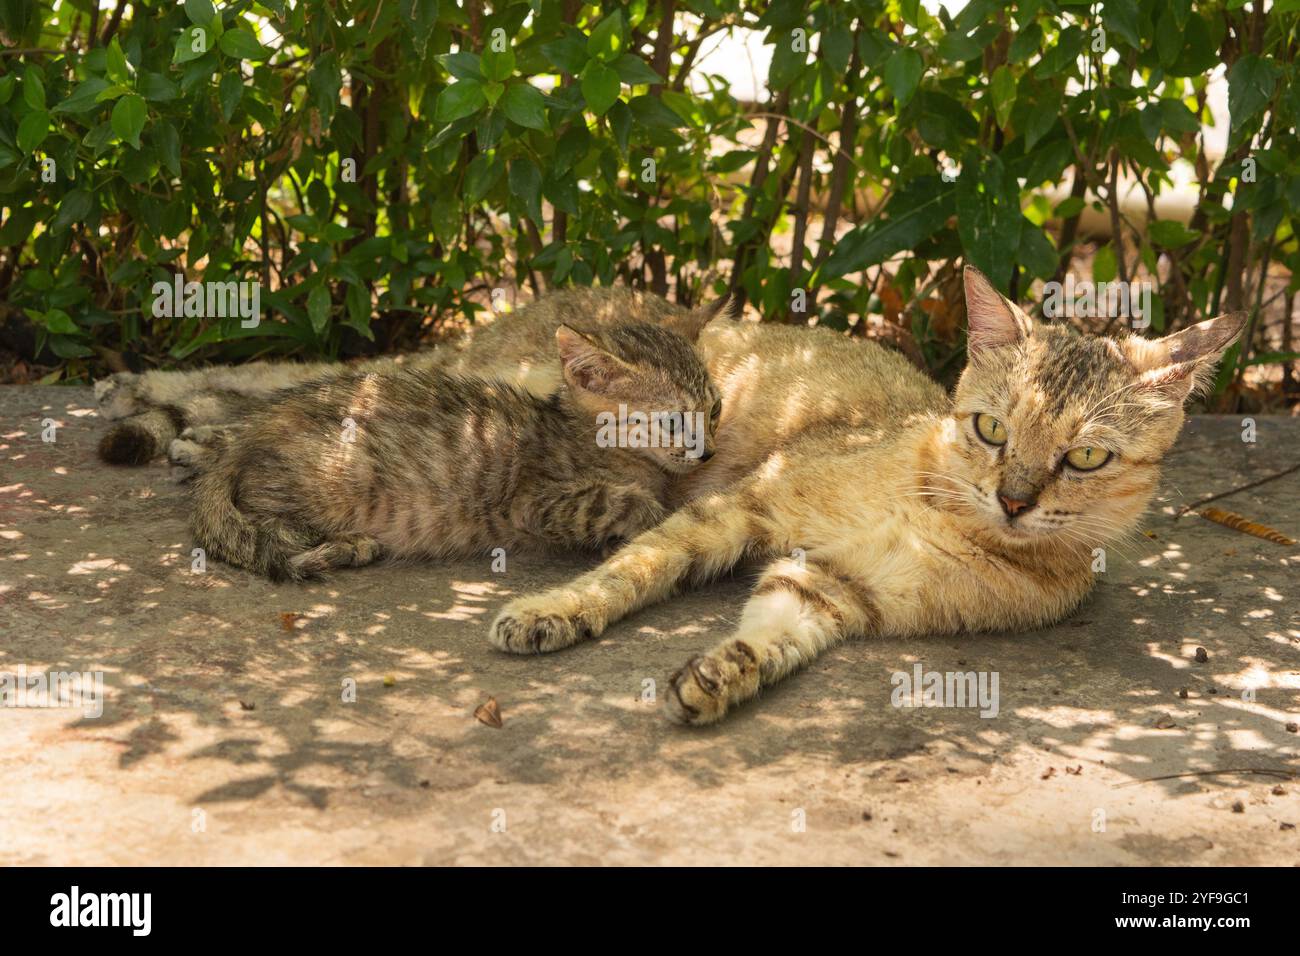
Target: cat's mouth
682, 465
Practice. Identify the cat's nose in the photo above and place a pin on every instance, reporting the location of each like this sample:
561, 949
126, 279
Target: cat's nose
1014, 505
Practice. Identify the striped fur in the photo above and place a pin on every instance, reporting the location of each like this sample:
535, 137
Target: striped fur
874, 502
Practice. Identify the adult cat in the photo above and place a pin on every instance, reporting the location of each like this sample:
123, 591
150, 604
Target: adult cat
885, 507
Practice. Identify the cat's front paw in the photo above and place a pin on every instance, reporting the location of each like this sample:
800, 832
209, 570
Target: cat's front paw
543, 623
709, 685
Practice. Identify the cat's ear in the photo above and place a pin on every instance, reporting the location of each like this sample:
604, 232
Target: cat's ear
587, 365
689, 325
992, 320
1183, 362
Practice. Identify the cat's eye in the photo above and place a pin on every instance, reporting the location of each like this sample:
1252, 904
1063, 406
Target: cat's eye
991, 429
1087, 458
717, 411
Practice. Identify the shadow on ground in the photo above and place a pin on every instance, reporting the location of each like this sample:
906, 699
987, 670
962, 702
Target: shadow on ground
250, 722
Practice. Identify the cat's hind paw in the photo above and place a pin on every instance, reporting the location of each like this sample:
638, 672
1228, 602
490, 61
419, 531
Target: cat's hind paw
540, 624
703, 690
184, 453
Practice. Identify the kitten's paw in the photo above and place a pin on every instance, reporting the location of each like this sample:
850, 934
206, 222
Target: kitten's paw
544, 623
115, 395
709, 685
183, 452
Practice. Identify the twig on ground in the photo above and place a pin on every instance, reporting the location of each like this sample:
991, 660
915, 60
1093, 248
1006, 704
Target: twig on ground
1232, 491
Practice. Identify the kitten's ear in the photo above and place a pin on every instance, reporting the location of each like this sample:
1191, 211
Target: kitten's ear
1182, 362
691, 324
587, 365
992, 320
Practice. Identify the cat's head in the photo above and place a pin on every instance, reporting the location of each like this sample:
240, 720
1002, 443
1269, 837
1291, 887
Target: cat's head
646, 386
1061, 434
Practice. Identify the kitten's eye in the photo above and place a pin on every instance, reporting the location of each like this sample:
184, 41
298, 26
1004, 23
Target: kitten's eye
717, 411
990, 429
1089, 458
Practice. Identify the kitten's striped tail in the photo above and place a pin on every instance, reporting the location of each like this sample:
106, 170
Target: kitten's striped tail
225, 533
141, 438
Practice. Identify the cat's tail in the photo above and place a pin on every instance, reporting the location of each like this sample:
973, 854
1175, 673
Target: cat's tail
226, 533
140, 439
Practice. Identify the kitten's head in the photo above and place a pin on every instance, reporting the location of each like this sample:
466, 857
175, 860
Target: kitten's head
639, 369
1060, 434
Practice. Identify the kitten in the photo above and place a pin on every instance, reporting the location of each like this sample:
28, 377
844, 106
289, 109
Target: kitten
885, 507
150, 410
420, 462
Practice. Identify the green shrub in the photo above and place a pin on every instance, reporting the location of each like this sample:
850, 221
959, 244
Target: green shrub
552, 142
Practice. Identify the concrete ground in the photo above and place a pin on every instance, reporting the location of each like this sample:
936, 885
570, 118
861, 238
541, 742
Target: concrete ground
225, 737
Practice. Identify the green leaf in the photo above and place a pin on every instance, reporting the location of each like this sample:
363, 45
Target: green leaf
463, 98
1250, 86
419, 17
526, 183
568, 54
524, 105
619, 119
1104, 265
1170, 234
156, 87
128, 118
903, 73
600, 87
69, 348
7, 86
168, 141
115, 61
33, 88
200, 12
1069, 207
1026, 43
498, 66
83, 98
242, 45
481, 176
191, 44
462, 65
787, 62
60, 323
1036, 253
1121, 17
318, 308
229, 91
33, 129
606, 41
632, 70
650, 111
18, 226
956, 48
1003, 88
